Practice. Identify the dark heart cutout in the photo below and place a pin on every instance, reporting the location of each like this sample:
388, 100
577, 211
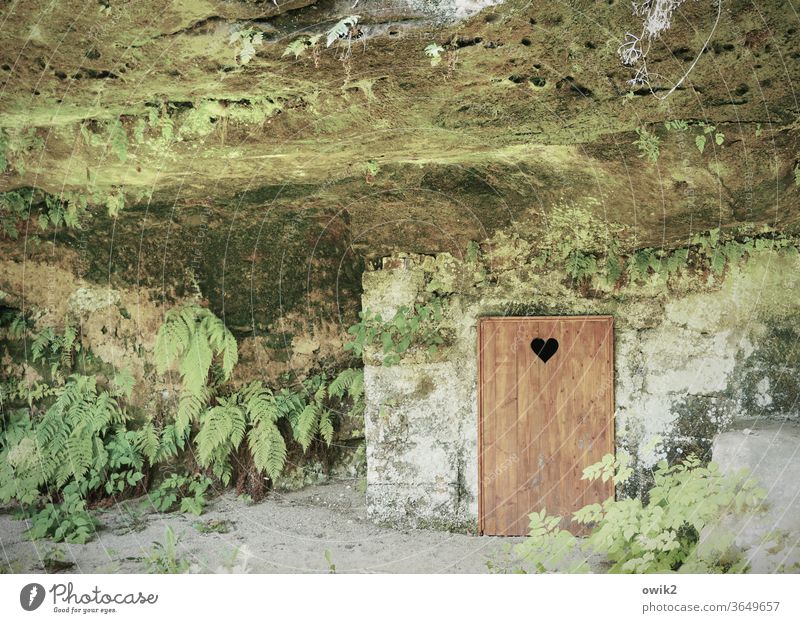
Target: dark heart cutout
544, 350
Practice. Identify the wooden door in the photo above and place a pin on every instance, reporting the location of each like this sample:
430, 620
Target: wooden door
546, 396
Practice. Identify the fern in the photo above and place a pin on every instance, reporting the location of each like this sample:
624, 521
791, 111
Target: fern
342, 29
307, 425
192, 337
222, 430
147, 442
349, 382
264, 439
118, 139
300, 46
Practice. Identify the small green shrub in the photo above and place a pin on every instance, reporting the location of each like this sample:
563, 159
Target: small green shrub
708, 129
410, 326
657, 536
648, 144
163, 556
68, 520
184, 492
246, 40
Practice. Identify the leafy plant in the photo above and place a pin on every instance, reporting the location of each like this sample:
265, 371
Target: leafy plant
68, 521
343, 29
648, 144
434, 52
676, 125
419, 325
16, 146
118, 139
662, 534
51, 462
163, 556
213, 526
300, 46
371, 170
184, 492
329, 560
56, 349
580, 265
14, 208
19, 206
246, 39
194, 338
708, 129
55, 560
3, 148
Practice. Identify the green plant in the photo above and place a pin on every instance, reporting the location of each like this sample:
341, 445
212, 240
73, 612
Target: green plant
15, 146
163, 556
371, 170
53, 460
213, 526
434, 52
343, 29
68, 520
661, 534
676, 125
700, 139
56, 349
246, 39
580, 266
55, 560
18, 206
194, 338
300, 46
329, 560
648, 144
118, 139
187, 493
3, 148
419, 325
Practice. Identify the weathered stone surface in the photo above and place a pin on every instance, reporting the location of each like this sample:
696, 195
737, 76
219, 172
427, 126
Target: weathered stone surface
770, 451
684, 371
421, 444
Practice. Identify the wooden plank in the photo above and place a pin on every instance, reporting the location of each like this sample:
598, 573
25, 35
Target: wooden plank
541, 423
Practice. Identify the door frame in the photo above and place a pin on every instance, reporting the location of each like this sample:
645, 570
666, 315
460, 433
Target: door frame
611, 449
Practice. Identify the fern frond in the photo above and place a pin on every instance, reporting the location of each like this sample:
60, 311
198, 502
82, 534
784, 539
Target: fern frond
196, 363
40, 342
348, 382
267, 447
222, 426
341, 29
307, 425
326, 426
79, 455
190, 405
147, 442
296, 47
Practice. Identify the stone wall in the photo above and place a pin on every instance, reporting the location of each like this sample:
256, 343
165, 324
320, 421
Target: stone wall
693, 354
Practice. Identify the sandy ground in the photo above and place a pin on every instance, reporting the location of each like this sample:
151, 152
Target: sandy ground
285, 533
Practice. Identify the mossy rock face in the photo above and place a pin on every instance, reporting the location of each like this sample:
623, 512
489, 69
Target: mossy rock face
253, 265
529, 105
